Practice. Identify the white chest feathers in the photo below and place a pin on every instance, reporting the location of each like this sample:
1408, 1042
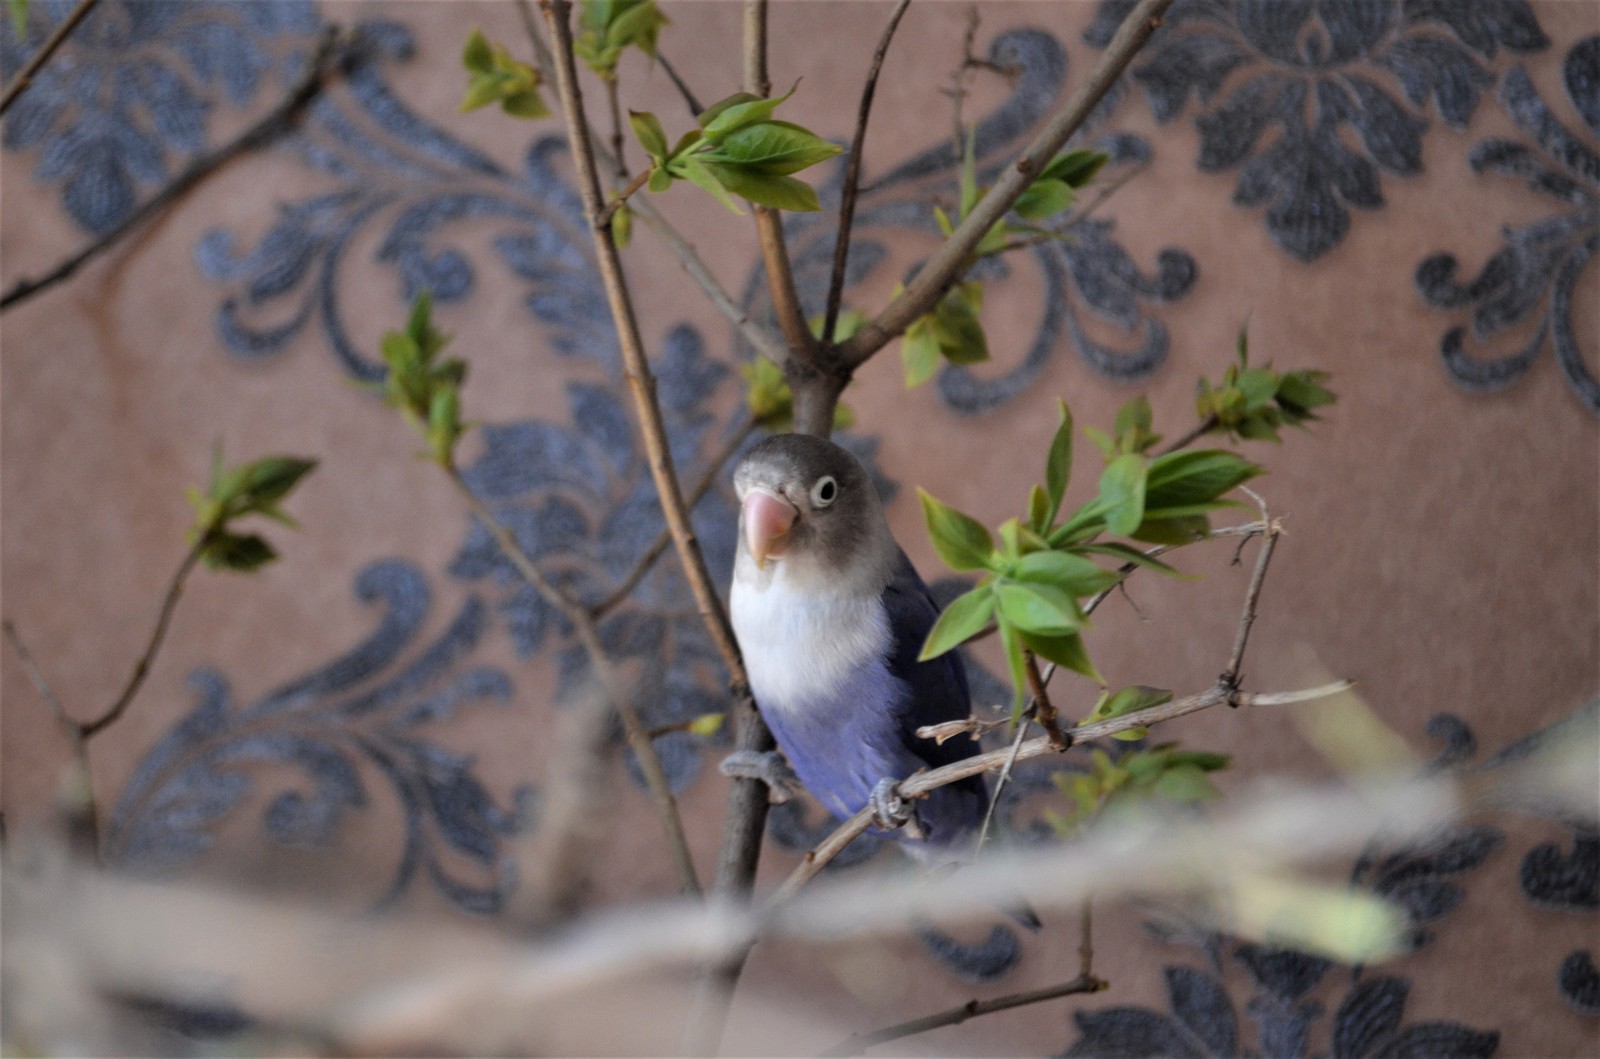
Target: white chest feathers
800, 647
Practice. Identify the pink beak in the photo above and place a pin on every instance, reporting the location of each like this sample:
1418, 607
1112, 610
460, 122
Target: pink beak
767, 519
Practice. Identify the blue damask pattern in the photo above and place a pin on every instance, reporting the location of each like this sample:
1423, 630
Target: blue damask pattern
1315, 68
1275, 990
134, 90
1534, 278
370, 714
1087, 270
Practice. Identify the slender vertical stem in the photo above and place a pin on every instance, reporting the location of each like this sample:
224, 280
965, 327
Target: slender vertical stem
852, 175
58, 37
1044, 712
619, 164
588, 635
641, 381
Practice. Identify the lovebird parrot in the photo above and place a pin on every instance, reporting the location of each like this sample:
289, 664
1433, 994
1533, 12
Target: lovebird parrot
830, 616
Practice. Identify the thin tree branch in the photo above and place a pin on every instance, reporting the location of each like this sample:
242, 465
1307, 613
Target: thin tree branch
947, 263
1198, 431
1001, 780
1269, 541
859, 1043
58, 37
689, 99
756, 81
1086, 939
1044, 712
921, 783
141, 668
619, 164
664, 539
272, 124
640, 379
611, 207
852, 175
764, 340
588, 635
73, 730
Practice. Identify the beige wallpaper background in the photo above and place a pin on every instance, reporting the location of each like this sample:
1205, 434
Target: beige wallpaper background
1441, 544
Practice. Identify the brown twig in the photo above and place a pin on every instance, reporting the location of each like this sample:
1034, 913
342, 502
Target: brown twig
1269, 541
663, 540
58, 37
588, 635
852, 175
689, 99
1002, 779
611, 208
272, 124
1044, 712
641, 382
859, 1043
619, 164
1086, 938
946, 264
1198, 431
821, 854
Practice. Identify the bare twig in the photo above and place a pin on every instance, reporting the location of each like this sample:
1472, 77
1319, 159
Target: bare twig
619, 164
663, 540
41, 685
588, 635
641, 381
821, 854
852, 175
141, 668
689, 99
942, 269
859, 1043
1269, 541
58, 37
1043, 711
1002, 779
1183, 441
611, 208
1086, 939
272, 124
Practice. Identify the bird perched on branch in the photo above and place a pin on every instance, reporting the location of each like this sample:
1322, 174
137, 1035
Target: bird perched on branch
831, 615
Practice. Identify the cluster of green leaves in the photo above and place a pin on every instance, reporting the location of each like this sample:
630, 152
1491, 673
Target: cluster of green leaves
498, 78
1163, 771
422, 385
951, 331
1254, 402
611, 26
739, 149
255, 488
1043, 566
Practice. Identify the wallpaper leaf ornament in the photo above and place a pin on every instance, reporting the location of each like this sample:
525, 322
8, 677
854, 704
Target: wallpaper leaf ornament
408, 178
1327, 74
131, 96
1086, 273
365, 723
1533, 280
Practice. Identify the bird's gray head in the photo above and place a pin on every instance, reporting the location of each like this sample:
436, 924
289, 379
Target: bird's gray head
809, 505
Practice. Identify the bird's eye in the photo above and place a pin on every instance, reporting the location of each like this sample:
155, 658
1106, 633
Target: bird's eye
825, 492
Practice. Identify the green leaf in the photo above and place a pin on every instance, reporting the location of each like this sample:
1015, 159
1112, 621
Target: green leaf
965, 617
707, 724
776, 148
482, 90
647, 129
268, 480
1122, 487
956, 324
622, 226
660, 179
1073, 574
1186, 783
1134, 556
1042, 199
1195, 476
1102, 441
1016, 664
1258, 386
961, 540
19, 17
1300, 392
1058, 464
1009, 538
1173, 531
692, 169
525, 104
1065, 651
1133, 419
1075, 168
737, 112
638, 24
766, 189
847, 324
476, 56
1039, 512
233, 551
1035, 607
919, 352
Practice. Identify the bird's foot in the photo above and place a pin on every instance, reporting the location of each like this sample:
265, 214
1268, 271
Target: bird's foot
890, 811
768, 767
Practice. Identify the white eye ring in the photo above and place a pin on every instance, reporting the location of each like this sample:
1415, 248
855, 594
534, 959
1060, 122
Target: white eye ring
825, 492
